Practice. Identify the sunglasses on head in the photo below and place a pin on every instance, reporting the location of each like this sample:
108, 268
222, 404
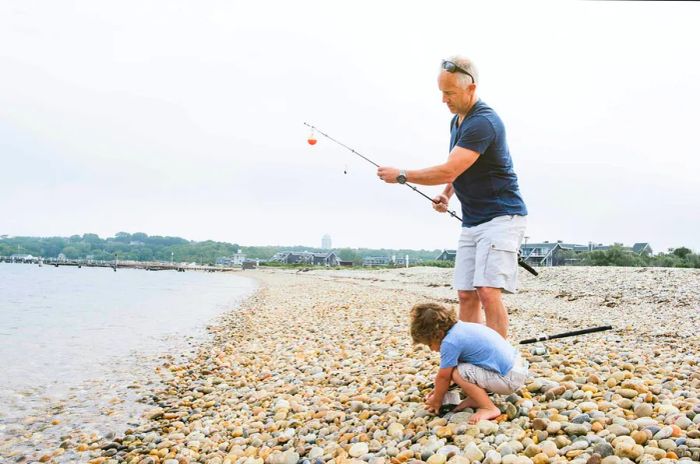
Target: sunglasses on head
451, 67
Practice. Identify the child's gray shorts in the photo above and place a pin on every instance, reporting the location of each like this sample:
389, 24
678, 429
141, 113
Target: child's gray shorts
487, 254
493, 382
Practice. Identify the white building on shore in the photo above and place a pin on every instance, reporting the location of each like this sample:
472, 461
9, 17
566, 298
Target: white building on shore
238, 258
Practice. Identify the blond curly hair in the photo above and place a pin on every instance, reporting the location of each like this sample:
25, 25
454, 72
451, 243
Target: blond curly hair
430, 322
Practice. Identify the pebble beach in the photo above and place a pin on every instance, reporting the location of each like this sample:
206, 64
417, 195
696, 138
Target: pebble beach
318, 367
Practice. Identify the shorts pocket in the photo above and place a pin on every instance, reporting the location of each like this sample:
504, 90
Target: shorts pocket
502, 264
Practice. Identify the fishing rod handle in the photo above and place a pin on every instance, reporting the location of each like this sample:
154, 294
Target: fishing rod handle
527, 267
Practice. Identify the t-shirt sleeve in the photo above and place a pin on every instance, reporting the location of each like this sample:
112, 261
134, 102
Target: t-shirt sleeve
477, 136
449, 355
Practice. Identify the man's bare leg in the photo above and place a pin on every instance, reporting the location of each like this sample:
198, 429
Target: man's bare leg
469, 306
485, 409
496, 314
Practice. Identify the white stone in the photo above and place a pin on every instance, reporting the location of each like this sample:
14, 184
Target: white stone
395, 430
492, 457
437, 459
315, 452
458, 460
487, 427
549, 448
358, 449
281, 404
449, 450
473, 453
587, 406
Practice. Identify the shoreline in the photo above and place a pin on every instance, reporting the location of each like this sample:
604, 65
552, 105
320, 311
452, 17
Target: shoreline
54, 421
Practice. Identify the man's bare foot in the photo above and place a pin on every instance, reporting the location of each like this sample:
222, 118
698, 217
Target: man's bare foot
464, 404
484, 414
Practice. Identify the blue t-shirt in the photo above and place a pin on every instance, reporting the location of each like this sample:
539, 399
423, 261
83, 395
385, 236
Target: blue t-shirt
489, 187
468, 342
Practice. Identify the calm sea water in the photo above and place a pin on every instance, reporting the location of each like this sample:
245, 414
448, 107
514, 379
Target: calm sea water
66, 329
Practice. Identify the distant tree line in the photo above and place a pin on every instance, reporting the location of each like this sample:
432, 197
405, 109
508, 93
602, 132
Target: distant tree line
618, 256
125, 246
142, 247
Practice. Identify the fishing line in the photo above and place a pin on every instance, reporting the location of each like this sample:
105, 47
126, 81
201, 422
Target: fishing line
312, 141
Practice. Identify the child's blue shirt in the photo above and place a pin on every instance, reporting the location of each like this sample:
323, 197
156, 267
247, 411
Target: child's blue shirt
468, 342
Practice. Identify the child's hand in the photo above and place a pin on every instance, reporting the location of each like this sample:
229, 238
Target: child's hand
432, 404
429, 395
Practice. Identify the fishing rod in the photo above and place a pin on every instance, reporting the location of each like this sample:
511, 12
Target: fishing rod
573, 333
312, 141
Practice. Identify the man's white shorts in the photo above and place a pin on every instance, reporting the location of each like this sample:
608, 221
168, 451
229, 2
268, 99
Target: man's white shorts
487, 254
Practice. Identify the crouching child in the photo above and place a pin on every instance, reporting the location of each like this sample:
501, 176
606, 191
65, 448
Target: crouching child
473, 356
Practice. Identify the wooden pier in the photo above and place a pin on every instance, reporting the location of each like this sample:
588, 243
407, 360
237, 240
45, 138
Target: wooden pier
116, 264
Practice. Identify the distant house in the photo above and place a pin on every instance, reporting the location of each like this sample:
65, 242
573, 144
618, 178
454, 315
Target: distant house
238, 259
303, 257
325, 259
550, 253
401, 261
278, 257
342, 263
447, 255
546, 253
642, 249
306, 257
375, 261
292, 257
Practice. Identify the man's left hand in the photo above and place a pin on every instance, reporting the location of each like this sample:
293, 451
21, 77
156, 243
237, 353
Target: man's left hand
388, 174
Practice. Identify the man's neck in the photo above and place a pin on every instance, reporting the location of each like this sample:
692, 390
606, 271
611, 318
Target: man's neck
461, 116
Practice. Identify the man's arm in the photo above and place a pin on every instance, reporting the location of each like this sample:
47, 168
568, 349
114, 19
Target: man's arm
460, 160
442, 384
448, 191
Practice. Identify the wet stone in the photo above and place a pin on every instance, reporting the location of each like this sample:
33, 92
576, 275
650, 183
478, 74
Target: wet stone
581, 418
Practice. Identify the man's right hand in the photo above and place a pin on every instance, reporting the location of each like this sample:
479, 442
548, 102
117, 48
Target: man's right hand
440, 203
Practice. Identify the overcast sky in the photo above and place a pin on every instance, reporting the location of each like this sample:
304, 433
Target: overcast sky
186, 118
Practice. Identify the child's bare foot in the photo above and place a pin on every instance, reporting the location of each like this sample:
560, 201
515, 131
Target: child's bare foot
464, 404
485, 414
